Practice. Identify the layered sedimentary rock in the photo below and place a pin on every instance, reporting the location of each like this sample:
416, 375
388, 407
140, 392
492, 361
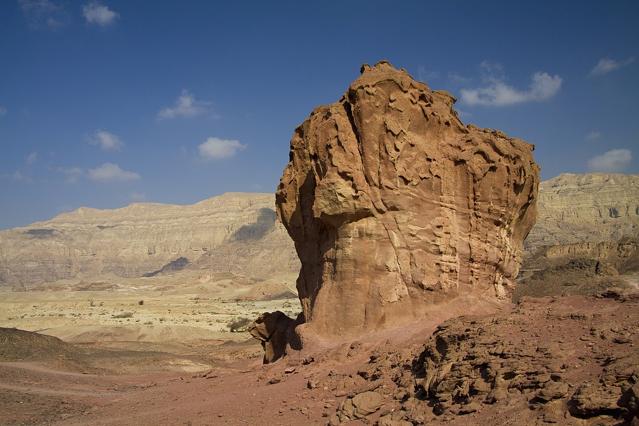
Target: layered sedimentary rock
586, 237
235, 232
394, 204
577, 208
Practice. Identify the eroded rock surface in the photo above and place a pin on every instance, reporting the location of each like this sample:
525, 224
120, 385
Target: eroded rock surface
394, 204
568, 361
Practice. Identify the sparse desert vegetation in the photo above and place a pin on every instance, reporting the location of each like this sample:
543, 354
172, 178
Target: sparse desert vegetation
82, 316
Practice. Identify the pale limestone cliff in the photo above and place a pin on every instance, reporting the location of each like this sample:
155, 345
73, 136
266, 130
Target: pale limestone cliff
576, 208
394, 205
234, 232
586, 238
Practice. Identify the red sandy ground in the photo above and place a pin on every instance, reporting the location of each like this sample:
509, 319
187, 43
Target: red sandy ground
300, 390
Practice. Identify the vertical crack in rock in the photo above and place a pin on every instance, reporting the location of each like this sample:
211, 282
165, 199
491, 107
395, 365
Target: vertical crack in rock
395, 205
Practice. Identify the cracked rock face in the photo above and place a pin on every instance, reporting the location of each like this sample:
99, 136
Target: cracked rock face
394, 204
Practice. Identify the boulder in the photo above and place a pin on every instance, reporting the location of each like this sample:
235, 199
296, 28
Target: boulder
395, 205
272, 329
360, 406
276, 333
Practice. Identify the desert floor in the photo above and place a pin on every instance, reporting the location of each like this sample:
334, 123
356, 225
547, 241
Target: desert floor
132, 316
161, 366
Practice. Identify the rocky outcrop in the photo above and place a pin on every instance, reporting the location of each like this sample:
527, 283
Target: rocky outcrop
580, 268
473, 362
274, 331
577, 208
235, 232
394, 204
568, 361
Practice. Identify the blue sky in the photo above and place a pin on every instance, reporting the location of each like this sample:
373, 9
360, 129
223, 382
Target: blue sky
106, 103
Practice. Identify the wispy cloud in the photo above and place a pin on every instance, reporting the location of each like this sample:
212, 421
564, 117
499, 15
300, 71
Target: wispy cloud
452, 77
215, 148
106, 141
109, 172
32, 158
593, 135
185, 106
43, 14
98, 14
615, 160
496, 92
426, 75
456, 78
606, 65
17, 176
71, 174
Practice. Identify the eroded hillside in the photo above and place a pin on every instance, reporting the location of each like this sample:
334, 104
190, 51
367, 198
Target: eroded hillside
577, 208
233, 233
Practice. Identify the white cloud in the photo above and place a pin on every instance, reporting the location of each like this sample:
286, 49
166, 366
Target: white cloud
185, 106
215, 148
109, 172
498, 93
43, 14
456, 78
99, 14
3, 111
606, 65
106, 141
32, 158
72, 174
615, 160
593, 135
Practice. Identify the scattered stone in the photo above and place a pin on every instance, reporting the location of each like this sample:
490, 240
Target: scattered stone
390, 420
360, 406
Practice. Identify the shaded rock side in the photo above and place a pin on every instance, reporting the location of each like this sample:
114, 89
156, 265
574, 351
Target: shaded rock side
394, 204
274, 331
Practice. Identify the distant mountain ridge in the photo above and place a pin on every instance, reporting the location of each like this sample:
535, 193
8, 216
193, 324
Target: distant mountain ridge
576, 208
233, 232
238, 233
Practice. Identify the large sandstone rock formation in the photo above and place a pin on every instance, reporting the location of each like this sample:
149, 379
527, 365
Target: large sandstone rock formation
235, 232
395, 204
